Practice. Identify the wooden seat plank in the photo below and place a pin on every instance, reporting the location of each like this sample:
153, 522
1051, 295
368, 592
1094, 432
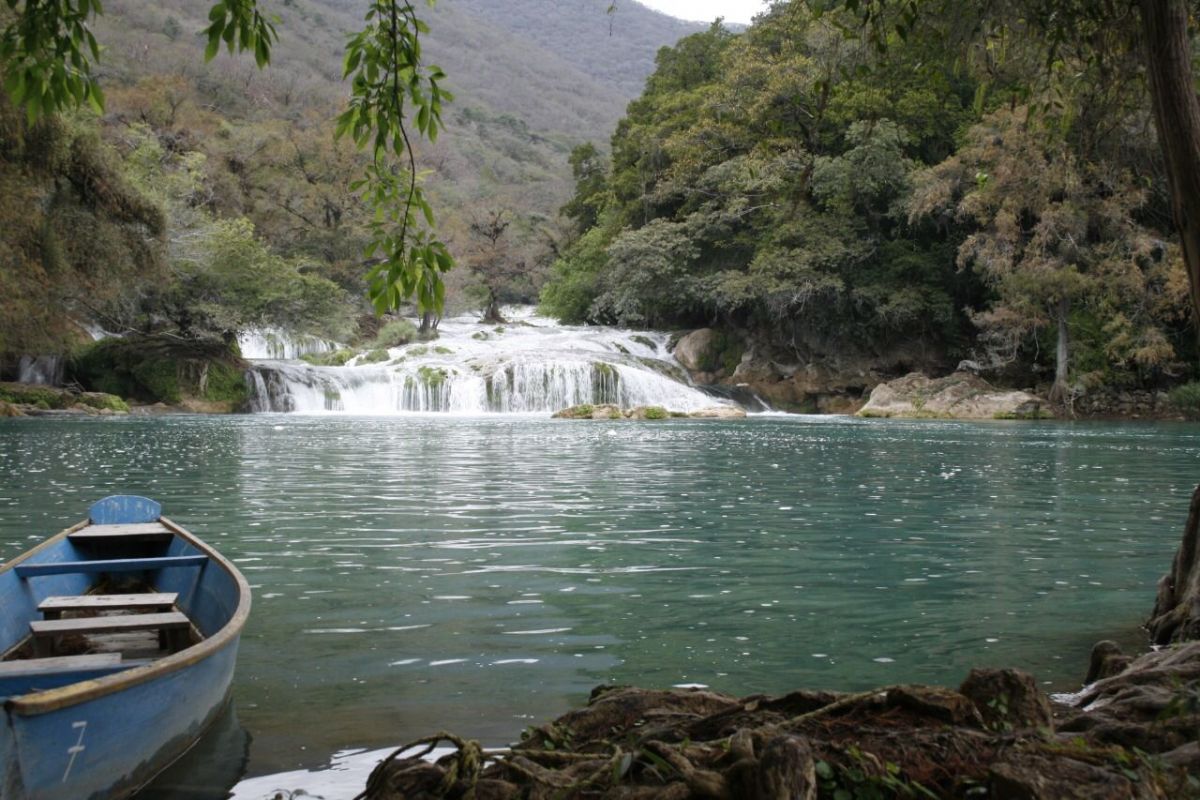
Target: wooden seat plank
133, 530
48, 666
107, 565
114, 624
96, 602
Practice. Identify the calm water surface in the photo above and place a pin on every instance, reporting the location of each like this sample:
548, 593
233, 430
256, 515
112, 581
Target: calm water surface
414, 574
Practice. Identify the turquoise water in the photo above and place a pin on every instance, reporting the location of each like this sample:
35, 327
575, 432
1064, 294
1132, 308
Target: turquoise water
414, 574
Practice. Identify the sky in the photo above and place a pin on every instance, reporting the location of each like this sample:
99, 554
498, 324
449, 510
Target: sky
708, 10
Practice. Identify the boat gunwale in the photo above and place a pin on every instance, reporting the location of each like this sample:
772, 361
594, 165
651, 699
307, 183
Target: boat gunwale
50, 700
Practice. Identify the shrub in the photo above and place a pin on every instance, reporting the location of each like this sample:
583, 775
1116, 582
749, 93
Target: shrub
1186, 398
396, 333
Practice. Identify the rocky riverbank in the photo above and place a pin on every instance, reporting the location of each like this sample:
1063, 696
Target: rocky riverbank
1131, 734
27, 400
832, 378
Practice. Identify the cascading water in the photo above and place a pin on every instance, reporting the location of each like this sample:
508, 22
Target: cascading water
44, 370
270, 343
528, 365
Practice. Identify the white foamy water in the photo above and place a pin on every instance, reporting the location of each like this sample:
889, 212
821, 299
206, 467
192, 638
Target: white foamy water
271, 343
530, 364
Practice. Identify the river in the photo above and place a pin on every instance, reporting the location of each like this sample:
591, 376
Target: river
479, 574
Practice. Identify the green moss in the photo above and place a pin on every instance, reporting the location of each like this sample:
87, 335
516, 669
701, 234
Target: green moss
161, 370
432, 376
225, 383
336, 358
443, 350
375, 356
39, 396
657, 412
481, 336
108, 402
419, 350
621, 347
160, 377
644, 341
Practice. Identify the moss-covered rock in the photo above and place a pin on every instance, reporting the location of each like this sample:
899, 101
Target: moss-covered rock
432, 376
203, 376
375, 356
21, 399
334, 358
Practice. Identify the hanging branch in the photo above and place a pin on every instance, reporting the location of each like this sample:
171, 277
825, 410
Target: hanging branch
384, 62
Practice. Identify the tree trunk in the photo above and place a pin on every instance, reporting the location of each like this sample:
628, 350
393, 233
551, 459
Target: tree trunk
1176, 614
491, 313
1059, 392
1177, 116
429, 323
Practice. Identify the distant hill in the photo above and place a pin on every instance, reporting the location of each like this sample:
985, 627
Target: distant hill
531, 78
615, 49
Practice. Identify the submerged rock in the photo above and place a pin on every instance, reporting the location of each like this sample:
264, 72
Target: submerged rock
608, 411
961, 395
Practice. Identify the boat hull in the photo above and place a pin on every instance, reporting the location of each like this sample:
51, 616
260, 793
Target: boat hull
102, 736
110, 746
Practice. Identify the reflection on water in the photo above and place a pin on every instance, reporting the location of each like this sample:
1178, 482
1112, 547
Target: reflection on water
414, 574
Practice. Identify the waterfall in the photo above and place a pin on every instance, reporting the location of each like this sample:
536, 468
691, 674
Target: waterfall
528, 365
271, 343
45, 370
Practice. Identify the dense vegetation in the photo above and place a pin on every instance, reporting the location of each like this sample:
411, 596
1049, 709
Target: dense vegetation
211, 198
823, 193
854, 182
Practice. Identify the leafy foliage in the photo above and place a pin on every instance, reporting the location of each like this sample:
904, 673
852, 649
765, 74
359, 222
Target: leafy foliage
384, 64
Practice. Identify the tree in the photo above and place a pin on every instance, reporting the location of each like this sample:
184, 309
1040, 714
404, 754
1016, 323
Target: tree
1058, 238
46, 55
489, 259
1154, 32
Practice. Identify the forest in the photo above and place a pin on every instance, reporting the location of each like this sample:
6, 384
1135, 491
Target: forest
902, 195
1000, 200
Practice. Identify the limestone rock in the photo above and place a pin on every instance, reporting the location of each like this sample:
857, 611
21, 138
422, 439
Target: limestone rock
693, 350
960, 395
718, 412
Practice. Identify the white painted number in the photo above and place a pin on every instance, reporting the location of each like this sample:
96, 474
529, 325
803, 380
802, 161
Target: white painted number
77, 748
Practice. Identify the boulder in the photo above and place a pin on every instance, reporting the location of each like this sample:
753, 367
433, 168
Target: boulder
718, 412
960, 395
1008, 699
693, 350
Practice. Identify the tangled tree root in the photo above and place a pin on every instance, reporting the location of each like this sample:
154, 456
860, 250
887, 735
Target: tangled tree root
992, 738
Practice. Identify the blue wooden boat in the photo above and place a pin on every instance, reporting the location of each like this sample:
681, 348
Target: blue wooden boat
118, 639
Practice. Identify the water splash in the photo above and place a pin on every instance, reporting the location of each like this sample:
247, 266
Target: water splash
272, 343
529, 365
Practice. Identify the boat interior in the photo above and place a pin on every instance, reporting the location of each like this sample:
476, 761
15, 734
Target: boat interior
102, 599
